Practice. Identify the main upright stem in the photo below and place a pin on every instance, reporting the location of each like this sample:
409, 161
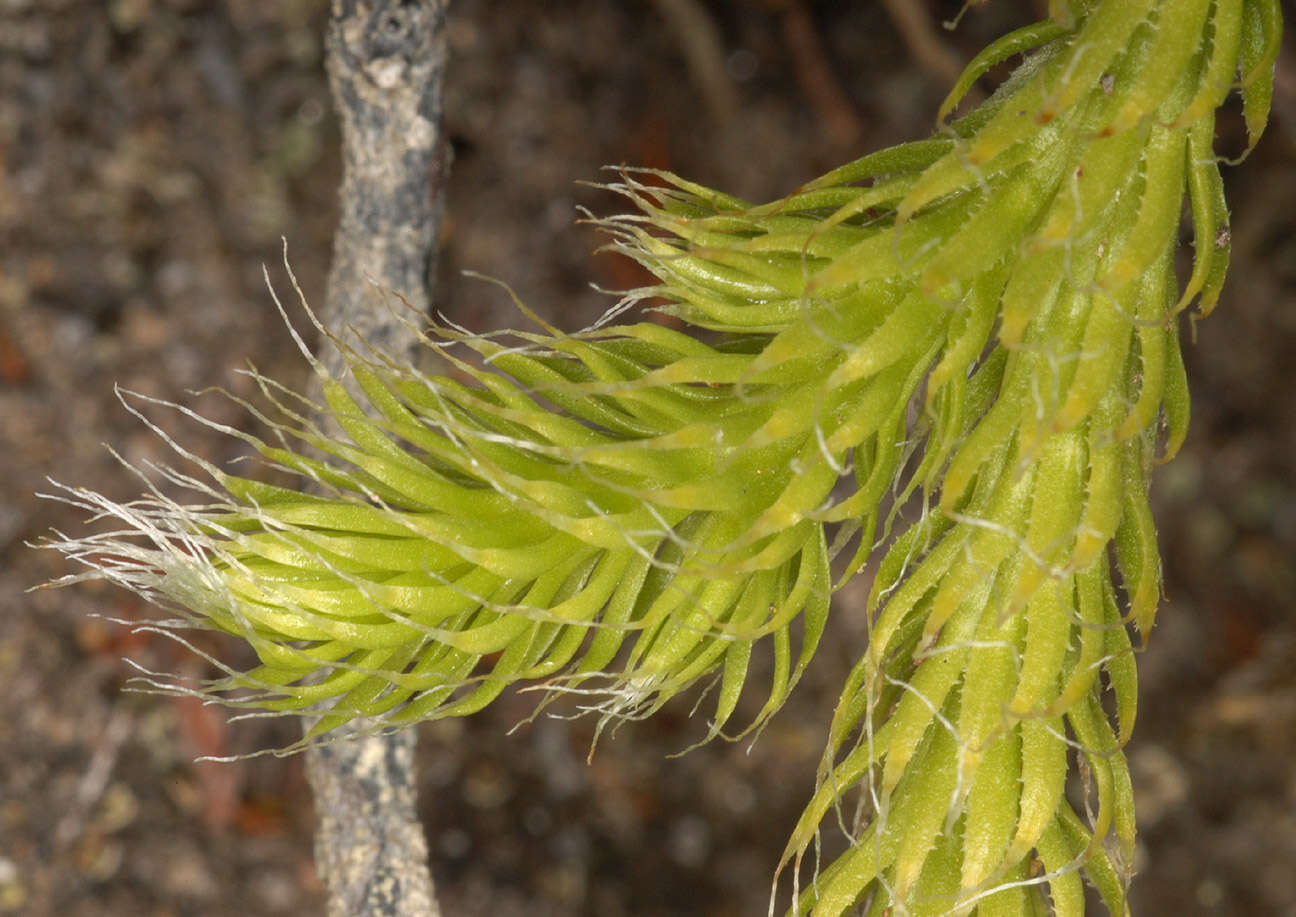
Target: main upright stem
386, 62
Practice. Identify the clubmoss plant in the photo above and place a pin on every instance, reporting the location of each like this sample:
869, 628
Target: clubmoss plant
984, 325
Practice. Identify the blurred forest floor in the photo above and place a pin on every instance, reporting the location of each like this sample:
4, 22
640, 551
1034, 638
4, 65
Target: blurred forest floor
152, 154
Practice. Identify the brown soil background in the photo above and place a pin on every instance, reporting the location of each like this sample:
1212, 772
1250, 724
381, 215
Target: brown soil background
152, 154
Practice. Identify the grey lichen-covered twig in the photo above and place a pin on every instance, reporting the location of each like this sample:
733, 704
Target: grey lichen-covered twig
369, 844
386, 61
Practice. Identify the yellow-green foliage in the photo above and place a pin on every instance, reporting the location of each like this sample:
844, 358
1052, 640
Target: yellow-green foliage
988, 319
